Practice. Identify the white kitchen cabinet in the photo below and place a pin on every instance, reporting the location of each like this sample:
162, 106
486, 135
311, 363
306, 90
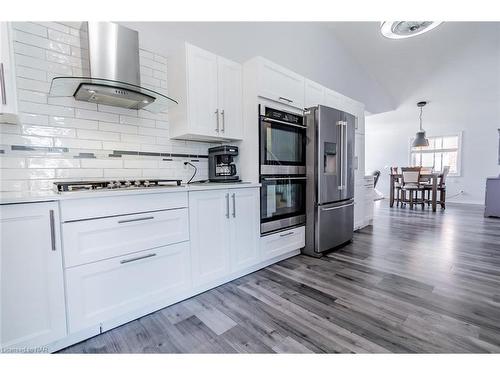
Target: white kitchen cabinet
244, 228
129, 286
209, 232
280, 243
314, 93
8, 95
32, 287
209, 91
224, 231
230, 93
278, 83
88, 241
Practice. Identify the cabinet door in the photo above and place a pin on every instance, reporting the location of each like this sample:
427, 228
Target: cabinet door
334, 100
131, 285
314, 93
244, 228
32, 287
230, 98
209, 233
8, 97
359, 154
280, 84
202, 91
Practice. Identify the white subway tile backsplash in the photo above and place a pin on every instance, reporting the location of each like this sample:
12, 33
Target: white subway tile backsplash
120, 146
33, 85
27, 50
102, 163
48, 131
46, 109
25, 72
140, 164
7, 185
32, 118
27, 174
98, 135
78, 173
38, 41
66, 39
44, 50
71, 122
119, 128
35, 63
12, 162
136, 121
137, 138
31, 96
77, 143
122, 173
24, 140
30, 27
53, 163
94, 115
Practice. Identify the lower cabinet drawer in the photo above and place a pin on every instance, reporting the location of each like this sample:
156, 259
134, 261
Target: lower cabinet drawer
283, 242
105, 290
93, 240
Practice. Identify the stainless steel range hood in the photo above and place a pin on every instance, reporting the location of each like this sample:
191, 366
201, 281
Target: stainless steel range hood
114, 77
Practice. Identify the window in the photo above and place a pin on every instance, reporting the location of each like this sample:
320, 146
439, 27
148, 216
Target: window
442, 151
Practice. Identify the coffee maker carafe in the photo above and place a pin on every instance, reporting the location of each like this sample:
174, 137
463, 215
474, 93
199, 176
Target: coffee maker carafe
221, 167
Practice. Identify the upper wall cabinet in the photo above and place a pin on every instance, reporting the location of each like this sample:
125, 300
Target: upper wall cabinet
279, 84
8, 97
209, 91
314, 93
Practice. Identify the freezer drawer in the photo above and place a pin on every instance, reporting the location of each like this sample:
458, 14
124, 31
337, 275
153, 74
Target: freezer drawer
334, 225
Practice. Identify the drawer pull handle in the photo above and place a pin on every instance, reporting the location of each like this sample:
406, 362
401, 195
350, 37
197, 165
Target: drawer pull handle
286, 99
286, 234
138, 258
138, 219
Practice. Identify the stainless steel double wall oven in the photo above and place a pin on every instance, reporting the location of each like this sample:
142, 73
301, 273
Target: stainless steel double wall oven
282, 169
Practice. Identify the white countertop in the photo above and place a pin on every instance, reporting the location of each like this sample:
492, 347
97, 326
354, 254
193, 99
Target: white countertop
45, 196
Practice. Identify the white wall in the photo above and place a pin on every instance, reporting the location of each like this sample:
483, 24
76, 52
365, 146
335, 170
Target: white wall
308, 48
463, 95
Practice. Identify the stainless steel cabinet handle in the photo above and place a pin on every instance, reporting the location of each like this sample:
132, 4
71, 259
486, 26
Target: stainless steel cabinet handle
285, 99
336, 208
217, 119
2, 85
223, 121
227, 205
283, 122
137, 258
138, 219
283, 178
234, 205
52, 230
286, 234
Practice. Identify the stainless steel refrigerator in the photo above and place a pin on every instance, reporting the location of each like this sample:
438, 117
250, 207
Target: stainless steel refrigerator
330, 179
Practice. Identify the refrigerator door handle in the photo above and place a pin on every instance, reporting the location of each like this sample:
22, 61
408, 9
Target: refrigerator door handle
340, 124
344, 157
337, 207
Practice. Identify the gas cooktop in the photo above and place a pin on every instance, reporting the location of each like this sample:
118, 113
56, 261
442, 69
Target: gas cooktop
73, 186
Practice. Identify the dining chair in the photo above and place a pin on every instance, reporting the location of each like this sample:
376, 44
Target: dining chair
427, 182
411, 184
397, 185
442, 186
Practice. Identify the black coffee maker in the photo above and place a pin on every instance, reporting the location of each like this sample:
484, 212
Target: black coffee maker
221, 167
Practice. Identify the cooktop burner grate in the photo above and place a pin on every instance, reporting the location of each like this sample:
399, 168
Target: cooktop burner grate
73, 186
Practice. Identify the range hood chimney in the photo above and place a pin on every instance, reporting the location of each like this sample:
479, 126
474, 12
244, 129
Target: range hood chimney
114, 72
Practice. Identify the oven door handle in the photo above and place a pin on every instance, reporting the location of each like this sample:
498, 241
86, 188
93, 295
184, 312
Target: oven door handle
283, 122
283, 178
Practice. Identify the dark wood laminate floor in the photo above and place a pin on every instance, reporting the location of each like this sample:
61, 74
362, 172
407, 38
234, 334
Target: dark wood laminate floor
416, 281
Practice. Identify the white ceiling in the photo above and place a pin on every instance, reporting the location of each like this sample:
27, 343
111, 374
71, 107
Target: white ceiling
403, 66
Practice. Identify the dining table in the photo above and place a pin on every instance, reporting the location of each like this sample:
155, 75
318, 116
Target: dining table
432, 176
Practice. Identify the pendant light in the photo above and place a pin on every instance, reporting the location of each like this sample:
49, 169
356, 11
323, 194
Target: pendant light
420, 139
